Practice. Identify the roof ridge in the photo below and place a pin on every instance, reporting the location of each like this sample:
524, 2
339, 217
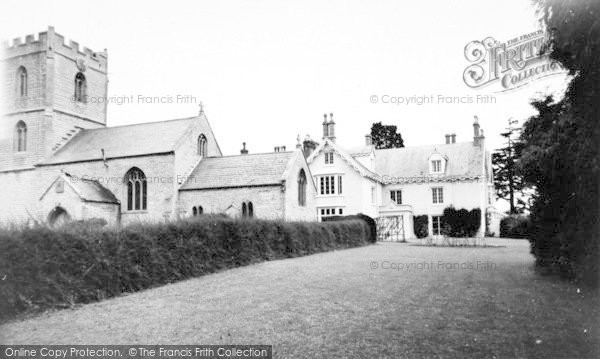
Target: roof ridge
139, 124
252, 154
423, 146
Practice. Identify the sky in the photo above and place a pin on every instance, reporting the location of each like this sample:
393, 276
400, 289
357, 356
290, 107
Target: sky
267, 71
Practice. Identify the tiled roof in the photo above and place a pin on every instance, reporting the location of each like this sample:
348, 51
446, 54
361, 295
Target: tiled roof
361, 151
359, 167
87, 189
464, 160
122, 141
93, 191
239, 171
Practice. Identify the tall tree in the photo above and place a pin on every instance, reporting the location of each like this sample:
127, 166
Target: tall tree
386, 136
507, 181
560, 156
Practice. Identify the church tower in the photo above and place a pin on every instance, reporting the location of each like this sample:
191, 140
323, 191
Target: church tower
51, 91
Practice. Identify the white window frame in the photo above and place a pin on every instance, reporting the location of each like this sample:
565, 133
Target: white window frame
437, 195
394, 196
329, 157
329, 185
323, 212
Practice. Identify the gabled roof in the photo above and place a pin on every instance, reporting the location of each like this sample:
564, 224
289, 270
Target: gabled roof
88, 190
411, 164
359, 167
261, 169
122, 141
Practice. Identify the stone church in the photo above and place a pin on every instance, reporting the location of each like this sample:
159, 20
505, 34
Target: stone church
60, 162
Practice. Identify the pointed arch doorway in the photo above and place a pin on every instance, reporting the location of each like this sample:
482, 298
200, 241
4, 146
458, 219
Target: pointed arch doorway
58, 216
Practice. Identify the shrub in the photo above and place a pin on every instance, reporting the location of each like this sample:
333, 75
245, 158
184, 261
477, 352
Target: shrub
45, 268
421, 224
515, 226
370, 221
461, 223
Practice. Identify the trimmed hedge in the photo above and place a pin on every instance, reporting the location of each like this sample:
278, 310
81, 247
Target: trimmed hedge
461, 223
370, 221
421, 224
45, 268
516, 226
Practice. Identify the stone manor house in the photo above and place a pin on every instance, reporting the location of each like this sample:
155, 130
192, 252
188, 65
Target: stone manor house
60, 162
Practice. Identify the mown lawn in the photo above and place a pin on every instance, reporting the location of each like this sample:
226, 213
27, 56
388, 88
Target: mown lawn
335, 305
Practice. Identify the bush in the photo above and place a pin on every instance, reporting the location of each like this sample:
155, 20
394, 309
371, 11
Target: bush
370, 221
461, 223
421, 224
45, 268
515, 226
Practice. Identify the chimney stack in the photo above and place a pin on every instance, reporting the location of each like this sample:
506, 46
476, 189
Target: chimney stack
477, 133
453, 138
329, 127
244, 151
368, 140
447, 139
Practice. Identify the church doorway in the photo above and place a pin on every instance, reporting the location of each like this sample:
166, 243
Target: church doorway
58, 216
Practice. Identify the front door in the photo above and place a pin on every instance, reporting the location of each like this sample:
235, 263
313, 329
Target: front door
436, 222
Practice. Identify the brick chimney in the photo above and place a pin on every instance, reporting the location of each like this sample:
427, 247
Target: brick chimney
244, 151
477, 133
368, 140
453, 138
329, 127
447, 139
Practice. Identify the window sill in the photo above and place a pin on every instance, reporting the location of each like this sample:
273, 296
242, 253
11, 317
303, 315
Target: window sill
139, 211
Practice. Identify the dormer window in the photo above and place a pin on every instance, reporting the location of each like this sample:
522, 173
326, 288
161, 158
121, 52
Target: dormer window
437, 163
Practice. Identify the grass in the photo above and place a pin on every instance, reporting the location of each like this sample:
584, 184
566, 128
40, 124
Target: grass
334, 305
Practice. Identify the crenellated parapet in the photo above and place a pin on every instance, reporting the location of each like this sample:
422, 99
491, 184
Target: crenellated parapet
51, 42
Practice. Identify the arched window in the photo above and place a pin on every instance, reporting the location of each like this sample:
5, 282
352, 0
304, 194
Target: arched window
302, 188
250, 210
80, 87
200, 210
21, 136
194, 212
137, 190
244, 210
22, 82
202, 145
